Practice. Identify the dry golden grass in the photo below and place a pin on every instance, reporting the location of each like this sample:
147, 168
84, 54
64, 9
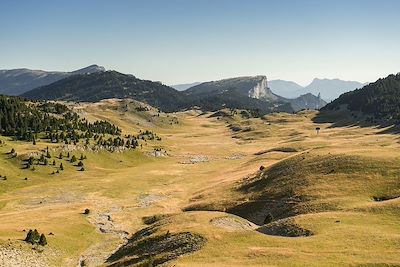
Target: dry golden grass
131, 185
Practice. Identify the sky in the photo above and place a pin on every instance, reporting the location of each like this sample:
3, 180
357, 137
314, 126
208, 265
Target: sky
180, 41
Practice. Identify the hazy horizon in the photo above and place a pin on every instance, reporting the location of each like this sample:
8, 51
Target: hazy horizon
178, 42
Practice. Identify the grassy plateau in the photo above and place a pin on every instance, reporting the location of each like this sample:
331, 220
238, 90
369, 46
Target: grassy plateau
333, 195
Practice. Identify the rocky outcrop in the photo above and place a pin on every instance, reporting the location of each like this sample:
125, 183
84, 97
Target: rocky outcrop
261, 91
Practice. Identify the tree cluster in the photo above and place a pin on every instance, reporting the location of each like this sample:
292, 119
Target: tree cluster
25, 120
34, 237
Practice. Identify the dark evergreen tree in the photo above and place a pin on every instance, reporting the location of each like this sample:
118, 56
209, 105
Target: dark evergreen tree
42, 240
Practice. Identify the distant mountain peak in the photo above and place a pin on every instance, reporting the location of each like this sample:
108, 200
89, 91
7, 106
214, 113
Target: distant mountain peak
21, 80
90, 69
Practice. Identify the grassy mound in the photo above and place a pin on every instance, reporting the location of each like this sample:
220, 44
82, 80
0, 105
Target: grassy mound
284, 227
306, 183
148, 247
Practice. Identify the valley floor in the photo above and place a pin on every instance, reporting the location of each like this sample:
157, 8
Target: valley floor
333, 194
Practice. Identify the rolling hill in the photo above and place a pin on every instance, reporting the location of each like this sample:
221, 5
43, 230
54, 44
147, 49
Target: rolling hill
201, 194
19, 81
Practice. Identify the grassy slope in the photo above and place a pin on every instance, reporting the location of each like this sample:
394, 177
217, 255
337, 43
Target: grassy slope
368, 231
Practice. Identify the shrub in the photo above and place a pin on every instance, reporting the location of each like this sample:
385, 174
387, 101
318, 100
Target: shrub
86, 212
80, 163
61, 167
262, 168
73, 159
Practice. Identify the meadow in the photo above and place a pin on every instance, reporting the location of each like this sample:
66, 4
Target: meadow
218, 176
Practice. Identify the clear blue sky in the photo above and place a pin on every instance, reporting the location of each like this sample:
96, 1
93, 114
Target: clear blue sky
176, 41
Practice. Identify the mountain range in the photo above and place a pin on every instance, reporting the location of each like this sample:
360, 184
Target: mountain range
94, 83
253, 87
19, 81
329, 89
242, 92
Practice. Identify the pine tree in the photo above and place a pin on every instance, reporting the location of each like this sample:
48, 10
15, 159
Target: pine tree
28, 237
42, 240
73, 159
61, 167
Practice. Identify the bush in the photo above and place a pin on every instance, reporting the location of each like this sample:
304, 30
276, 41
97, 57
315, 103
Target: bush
86, 212
73, 159
80, 163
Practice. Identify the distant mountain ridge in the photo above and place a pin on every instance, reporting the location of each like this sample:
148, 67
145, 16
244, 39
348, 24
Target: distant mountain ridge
18, 81
251, 92
97, 86
254, 87
379, 100
184, 86
328, 88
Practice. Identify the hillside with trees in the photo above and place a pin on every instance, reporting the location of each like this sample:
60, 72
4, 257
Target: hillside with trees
18, 81
110, 84
379, 100
28, 121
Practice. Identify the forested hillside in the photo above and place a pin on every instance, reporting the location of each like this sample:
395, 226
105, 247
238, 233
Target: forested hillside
381, 99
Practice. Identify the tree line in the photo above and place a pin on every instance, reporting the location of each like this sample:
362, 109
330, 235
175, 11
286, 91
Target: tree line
25, 120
